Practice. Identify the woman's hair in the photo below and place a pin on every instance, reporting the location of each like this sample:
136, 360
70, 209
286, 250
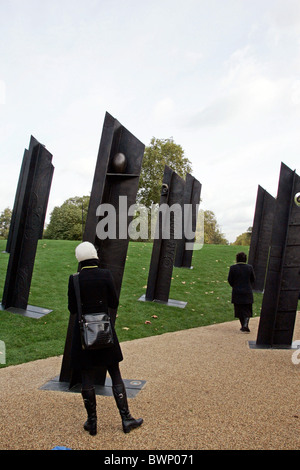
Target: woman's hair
241, 257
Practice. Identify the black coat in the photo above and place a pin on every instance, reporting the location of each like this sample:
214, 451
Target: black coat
241, 278
98, 294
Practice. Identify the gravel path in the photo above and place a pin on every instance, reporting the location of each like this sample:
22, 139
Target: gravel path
205, 389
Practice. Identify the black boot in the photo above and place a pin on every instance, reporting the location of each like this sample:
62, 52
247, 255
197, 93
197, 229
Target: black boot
128, 422
245, 326
89, 398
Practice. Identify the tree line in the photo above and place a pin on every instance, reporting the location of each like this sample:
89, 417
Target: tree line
68, 220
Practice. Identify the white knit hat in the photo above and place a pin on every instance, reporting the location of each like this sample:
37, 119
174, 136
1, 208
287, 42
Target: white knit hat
85, 250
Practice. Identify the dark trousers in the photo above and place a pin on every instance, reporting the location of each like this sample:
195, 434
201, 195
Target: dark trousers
88, 376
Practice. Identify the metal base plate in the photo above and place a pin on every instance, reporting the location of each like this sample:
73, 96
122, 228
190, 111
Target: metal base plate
170, 303
133, 387
30, 311
294, 345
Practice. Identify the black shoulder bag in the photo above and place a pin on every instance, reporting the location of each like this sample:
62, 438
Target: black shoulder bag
95, 328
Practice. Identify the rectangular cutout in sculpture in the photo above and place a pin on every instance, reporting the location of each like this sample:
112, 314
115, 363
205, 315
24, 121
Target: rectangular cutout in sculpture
280, 300
29, 217
190, 205
261, 236
117, 173
164, 248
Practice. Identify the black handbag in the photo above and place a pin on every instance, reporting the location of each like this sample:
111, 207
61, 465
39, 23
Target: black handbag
95, 328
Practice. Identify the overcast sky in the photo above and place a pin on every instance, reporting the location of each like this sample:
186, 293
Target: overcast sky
222, 77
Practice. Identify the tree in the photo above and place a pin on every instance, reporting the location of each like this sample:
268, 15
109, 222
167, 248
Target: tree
244, 239
67, 221
5, 218
212, 232
159, 153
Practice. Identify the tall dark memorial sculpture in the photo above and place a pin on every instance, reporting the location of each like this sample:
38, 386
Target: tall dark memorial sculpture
116, 175
261, 236
190, 205
282, 287
164, 245
20, 189
27, 225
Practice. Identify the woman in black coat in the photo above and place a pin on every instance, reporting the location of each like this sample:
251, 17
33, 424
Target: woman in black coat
98, 294
241, 278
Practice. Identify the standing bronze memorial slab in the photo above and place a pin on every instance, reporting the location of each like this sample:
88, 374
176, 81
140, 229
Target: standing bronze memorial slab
261, 236
190, 206
115, 183
21, 187
164, 246
27, 226
282, 286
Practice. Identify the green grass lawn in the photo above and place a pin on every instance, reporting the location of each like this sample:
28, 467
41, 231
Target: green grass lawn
204, 288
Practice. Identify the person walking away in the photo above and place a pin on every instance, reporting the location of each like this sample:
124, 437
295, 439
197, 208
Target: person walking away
98, 294
241, 278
